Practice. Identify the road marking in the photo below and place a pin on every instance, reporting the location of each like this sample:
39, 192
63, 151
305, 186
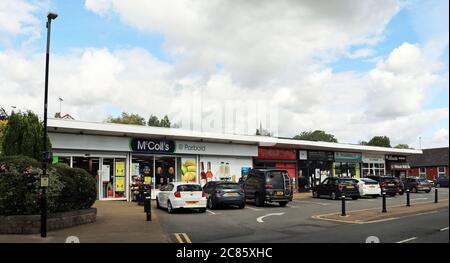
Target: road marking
407, 240
252, 208
309, 202
211, 212
180, 236
177, 236
188, 240
444, 229
260, 219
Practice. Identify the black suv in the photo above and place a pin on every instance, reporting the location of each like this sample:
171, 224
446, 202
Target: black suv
388, 183
335, 187
268, 185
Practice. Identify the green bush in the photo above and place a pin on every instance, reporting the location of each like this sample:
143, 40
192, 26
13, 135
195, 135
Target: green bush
69, 188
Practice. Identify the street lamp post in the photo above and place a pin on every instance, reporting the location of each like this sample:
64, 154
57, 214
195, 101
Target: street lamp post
45, 155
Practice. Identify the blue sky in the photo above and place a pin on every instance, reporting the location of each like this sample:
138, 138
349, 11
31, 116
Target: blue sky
174, 44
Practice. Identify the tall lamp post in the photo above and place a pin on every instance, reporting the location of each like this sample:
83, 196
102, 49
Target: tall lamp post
46, 154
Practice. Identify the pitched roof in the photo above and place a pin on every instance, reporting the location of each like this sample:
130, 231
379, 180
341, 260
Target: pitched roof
430, 157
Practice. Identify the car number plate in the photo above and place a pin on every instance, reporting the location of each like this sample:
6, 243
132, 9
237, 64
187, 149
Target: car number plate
279, 193
231, 194
349, 187
371, 186
191, 202
391, 184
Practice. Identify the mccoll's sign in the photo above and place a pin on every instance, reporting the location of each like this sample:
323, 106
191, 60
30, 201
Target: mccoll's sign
152, 145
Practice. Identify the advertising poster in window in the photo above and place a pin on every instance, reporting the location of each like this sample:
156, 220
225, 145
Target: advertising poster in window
224, 168
120, 168
105, 173
188, 170
120, 184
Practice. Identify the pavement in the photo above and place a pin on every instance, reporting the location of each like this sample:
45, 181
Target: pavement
117, 221
373, 215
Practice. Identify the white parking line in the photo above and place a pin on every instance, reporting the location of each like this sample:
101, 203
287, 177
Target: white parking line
252, 208
407, 240
211, 212
444, 229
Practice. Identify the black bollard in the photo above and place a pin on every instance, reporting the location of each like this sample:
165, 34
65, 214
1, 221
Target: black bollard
147, 205
435, 195
384, 203
407, 198
343, 206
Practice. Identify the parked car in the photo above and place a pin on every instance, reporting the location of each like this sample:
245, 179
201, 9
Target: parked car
223, 193
442, 181
415, 184
181, 195
368, 187
268, 185
335, 187
388, 183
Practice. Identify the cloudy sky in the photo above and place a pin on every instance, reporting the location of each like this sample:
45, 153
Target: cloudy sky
353, 68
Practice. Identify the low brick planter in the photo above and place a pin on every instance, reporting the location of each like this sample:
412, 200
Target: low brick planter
31, 224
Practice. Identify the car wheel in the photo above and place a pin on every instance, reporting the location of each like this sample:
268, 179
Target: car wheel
427, 191
354, 198
333, 196
169, 207
241, 206
392, 195
438, 185
210, 203
283, 203
414, 190
258, 200
202, 210
157, 204
375, 196
315, 194
401, 193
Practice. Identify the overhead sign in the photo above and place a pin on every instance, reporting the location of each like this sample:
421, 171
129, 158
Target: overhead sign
372, 158
152, 146
302, 155
320, 156
347, 156
276, 153
400, 158
207, 148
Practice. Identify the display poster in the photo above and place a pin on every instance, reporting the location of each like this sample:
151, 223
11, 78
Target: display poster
188, 170
120, 184
135, 169
120, 168
302, 155
147, 180
105, 173
225, 168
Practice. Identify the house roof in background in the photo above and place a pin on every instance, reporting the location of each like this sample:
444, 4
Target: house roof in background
430, 157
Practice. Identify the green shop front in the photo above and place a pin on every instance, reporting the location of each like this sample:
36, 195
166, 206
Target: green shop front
347, 164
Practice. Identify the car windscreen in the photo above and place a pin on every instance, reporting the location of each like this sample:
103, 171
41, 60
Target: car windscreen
276, 179
423, 181
388, 179
189, 188
228, 186
369, 181
346, 181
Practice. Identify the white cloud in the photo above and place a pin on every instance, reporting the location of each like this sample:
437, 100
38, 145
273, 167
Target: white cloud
440, 138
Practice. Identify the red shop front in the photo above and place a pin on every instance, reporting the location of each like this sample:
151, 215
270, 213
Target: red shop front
277, 158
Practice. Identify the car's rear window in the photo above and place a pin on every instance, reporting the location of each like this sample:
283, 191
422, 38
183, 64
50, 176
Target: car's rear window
346, 181
276, 179
228, 186
189, 188
368, 181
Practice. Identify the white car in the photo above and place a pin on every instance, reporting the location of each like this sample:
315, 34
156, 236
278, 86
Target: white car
368, 187
181, 195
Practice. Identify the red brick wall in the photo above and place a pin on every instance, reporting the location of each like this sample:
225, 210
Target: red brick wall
431, 172
413, 172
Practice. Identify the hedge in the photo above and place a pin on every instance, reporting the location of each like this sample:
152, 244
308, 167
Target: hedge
69, 188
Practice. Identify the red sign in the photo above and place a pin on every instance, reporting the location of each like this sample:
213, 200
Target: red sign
276, 153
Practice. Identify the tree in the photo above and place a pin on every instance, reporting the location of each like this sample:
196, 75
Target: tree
316, 135
127, 118
363, 143
402, 146
153, 121
23, 136
165, 122
3, 124
382, 141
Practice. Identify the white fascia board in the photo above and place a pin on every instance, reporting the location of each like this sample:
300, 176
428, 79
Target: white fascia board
114, 129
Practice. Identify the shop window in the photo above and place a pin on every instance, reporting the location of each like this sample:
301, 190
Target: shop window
164, 171
113, 178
